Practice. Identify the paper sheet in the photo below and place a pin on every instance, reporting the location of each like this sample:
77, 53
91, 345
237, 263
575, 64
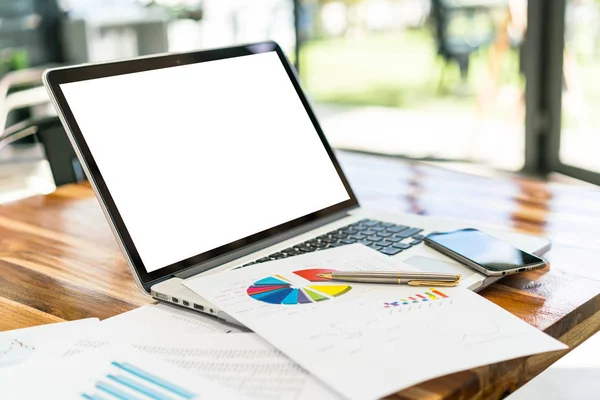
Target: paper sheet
367, 341
243, 362
24, 345
108, 373
575, 376
159, 318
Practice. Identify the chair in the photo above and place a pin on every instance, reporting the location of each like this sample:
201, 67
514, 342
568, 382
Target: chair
46, 129
458, 33
64, 165
32, 96
32, 27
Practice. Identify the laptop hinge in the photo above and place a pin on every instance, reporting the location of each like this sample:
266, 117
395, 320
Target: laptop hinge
263, 244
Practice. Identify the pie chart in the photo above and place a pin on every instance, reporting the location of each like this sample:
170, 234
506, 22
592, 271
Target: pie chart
277, 289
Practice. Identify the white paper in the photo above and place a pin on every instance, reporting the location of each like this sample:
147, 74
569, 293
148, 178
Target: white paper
242, 361
164, 319
103, 373
24, 345
366, 343
574, 376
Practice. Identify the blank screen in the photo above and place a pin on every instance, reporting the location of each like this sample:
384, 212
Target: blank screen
198, 156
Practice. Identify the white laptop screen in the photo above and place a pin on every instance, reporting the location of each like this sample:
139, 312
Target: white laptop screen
201, 155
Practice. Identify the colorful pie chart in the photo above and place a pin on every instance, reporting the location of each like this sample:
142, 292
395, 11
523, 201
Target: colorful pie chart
279, 290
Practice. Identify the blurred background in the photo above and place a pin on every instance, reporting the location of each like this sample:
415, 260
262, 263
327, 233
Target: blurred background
501, 84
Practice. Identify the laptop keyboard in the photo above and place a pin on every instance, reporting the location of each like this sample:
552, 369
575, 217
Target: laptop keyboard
387, 238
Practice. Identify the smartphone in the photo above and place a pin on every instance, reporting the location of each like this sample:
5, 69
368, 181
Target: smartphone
484, 253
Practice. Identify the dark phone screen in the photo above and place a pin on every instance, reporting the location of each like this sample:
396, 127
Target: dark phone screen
485, 250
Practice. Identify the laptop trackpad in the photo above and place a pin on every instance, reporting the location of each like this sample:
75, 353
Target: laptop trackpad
432, 265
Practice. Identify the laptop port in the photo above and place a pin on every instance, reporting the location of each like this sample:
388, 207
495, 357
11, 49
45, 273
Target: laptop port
185, 303
199, 307
161, 296
174, 300
211, 311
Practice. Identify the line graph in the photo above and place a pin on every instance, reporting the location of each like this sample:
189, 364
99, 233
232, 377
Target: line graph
468, 330
14, 345
14, 351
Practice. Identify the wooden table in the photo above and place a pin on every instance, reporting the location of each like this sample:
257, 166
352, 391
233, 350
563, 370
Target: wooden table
59, 261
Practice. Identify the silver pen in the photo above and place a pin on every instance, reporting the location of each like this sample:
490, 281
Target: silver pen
394, 277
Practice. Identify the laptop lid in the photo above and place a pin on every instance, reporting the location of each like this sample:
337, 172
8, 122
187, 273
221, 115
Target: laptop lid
196, 155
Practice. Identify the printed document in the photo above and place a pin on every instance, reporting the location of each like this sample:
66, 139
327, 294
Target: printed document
24, 345
243, 361
108, 373
366, 341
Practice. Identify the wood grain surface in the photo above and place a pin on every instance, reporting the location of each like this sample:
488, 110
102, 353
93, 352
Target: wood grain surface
59, 260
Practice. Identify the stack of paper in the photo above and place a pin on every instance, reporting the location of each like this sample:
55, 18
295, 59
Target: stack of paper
318, 339
77, 359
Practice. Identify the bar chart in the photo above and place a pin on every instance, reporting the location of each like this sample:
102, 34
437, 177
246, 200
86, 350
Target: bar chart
431, 295
125, 381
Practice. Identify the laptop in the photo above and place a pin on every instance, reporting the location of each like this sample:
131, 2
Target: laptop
213, 160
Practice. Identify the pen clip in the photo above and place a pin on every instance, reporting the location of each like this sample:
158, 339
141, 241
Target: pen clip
433, 283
